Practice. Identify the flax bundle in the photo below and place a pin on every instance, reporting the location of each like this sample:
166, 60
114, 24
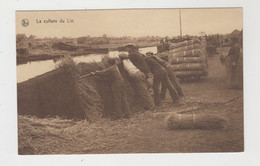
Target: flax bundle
187, 66
194, 121
178, 60
186, 48
182, 44
189, 53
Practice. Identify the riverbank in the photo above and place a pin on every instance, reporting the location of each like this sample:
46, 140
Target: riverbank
47, 54
53, 54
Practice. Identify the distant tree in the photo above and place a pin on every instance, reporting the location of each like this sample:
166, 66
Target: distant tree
82, 40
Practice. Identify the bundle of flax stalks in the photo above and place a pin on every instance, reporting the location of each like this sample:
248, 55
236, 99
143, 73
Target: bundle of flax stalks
71, 92
187, 47
188, 59
183, 44
60, 93
54, 93
194, 121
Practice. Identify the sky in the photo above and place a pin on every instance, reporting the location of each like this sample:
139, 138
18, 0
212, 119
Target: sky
135, 23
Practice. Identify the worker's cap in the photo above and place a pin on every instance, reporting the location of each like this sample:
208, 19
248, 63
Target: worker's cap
123, 55
149, 53
130, 45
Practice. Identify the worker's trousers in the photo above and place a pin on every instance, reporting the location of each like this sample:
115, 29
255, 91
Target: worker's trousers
161, 76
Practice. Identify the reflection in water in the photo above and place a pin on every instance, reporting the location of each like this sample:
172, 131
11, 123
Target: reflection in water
32, 69
147, 49
35, 68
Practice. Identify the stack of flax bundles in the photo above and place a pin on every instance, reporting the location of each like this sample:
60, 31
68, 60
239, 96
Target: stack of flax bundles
187, 58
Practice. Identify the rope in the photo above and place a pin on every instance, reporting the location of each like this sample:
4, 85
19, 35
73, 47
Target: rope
86, 75
210, 106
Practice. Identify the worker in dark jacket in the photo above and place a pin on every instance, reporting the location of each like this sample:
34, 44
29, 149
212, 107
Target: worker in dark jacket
232, 63
137, 59
113, 76
171, 75
160, 76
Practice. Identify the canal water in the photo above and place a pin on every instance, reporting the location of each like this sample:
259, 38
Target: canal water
35, 68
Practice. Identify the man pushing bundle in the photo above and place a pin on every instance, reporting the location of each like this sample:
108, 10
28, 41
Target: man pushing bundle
160, 77
171, 75
139, 82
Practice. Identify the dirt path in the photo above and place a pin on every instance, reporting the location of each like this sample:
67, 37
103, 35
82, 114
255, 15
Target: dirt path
146, 133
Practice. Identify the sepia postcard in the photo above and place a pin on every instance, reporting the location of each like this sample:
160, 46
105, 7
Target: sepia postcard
130, 81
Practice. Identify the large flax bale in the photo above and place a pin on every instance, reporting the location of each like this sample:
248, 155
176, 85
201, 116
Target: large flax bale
63, 92
175, 60
194, 121
103, 88
186, 48
189, 53
101, 85
184, 43
187, 66
91, 100
52, 94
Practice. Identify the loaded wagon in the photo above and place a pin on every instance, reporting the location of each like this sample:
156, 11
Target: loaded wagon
188, 58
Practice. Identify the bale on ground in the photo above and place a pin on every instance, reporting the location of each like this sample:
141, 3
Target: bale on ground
187, 66
194, 121
186, 48
189, 53
175, 60
182, 44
